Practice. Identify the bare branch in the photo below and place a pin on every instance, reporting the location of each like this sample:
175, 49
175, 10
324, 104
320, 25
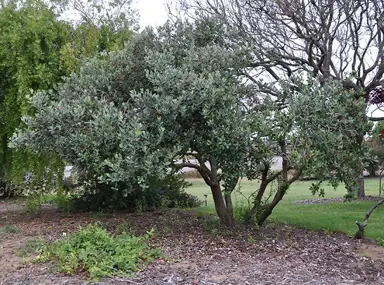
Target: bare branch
335, 38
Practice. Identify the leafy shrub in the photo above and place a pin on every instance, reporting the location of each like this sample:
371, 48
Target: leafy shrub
171, 192
63, 202
33, 246
33, 204
101, 255
241, 212
9, 229
212, 225
184, 200
168, 192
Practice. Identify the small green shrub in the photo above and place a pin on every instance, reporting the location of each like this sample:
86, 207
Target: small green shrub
33, 246
33, 204
212, 225
167, 193
9, 229
63, 202
100, 254
241, 212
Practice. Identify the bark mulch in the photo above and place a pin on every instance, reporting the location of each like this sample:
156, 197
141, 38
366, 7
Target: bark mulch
274, 254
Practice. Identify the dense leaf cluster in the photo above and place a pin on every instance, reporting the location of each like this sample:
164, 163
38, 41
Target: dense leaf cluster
100, 254
38, 48
179, 97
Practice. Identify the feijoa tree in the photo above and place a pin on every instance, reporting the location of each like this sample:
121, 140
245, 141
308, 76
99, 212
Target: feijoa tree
338, 40
177, 98
310, 127
198, 101
91, 122
148, 109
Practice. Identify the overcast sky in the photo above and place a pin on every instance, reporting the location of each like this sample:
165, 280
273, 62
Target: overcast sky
152, 12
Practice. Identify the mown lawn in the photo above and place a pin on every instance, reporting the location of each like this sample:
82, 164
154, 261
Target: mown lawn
333, 217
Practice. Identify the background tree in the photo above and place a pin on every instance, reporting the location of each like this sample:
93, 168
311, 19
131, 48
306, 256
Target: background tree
30, 42
98, 26
37, 50
341, 40
310, 128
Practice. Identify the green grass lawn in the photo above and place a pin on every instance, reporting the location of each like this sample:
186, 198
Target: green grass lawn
334, 217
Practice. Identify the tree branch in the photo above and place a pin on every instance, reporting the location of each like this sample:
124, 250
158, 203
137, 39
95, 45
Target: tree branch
376, 119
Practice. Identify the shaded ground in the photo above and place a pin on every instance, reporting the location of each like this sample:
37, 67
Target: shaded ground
269, 256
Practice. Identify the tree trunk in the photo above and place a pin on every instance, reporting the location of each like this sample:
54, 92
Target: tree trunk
360, 175
224, 213
228, 203
7, 190
282, 189
223, 204
255, 210
361, 189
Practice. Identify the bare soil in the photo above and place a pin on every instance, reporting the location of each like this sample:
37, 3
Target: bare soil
271, 255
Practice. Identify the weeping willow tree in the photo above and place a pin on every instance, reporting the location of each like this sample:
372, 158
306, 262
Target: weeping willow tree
30, 42
37, 50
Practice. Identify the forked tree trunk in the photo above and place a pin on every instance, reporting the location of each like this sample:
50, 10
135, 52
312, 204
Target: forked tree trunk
282, 189
223, 203
224, 212
262, 212
361, 226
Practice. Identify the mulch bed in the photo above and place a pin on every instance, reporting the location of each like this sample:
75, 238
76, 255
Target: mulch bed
272, 255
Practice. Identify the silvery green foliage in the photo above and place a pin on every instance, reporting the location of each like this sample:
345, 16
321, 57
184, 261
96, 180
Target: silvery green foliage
314, 127
319, 123
91, 122
198, 97
126, 118
327, 123
179, 93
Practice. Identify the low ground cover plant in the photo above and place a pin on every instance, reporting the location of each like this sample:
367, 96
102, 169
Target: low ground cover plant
100, 254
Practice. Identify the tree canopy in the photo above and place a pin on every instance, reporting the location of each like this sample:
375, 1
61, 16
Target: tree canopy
30, 41
37, 50
177, 97
337, 40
